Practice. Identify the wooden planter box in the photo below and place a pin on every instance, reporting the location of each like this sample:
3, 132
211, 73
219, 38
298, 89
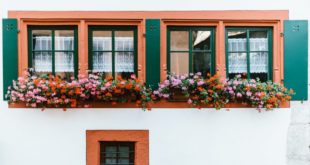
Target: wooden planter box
159, 104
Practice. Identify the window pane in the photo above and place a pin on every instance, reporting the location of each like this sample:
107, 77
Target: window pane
258, 41
259, 65
201, 40
123, 161
237, 41
102, 62
64, 64
202, 63
237, 63
42, 40
179, 63
42, 62
64, 40
110, 161
124, 64
102, 40
179, 40
124, 40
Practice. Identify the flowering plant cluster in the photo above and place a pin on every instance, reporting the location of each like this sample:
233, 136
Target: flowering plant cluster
217, 93
257, 94
52, 91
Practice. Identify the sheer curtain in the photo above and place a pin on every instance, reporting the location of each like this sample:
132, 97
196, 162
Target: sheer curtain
64, 61
102, 61
42, 58
124, 56
258, 55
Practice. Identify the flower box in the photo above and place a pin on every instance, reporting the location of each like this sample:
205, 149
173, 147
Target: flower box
159, 104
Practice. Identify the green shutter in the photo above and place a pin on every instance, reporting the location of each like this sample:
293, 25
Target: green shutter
10, 62
152, 52
296, 57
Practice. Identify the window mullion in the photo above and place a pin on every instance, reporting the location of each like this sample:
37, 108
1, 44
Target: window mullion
113, 53
190, 52
248, 53
53, 52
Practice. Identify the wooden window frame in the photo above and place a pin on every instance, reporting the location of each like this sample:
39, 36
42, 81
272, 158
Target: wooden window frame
53, 28
139, 137
248, 51
93, 28
190, 50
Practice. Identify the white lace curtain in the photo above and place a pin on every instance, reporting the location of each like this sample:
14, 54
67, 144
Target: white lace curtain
124, 60
238, 59
64, 61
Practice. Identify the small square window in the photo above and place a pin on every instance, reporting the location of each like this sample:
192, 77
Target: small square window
117, 153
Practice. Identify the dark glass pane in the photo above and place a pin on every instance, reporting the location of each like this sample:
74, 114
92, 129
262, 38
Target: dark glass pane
258, 41
41, 40
64, 40
102, 62
237, 40
237, 63
42, 62
179, 63
124, 64
201, 40
202, 63
102, 40
124, 40
179, 40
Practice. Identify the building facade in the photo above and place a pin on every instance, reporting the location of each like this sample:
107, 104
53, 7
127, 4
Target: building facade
268, 44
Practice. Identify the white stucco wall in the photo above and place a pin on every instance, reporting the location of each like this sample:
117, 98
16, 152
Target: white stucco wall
183, 137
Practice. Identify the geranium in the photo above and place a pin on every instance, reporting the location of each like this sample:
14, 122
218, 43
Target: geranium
52, 91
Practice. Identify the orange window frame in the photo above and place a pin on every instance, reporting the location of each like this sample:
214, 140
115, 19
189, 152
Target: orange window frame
139, 137
217, 19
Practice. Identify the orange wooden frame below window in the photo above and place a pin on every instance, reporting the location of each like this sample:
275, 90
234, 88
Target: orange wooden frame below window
140, 137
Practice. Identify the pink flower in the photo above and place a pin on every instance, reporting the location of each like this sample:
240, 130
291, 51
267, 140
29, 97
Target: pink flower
200, 82
156, 92
33, 105
133, 76
189, 101
239, 95
166, 95
248, 93
191, 81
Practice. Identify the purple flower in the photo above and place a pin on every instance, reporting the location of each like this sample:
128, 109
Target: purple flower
198, 73
166, 82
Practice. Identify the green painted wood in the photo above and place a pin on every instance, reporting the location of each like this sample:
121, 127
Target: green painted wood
10, 59
296, 57
152, 52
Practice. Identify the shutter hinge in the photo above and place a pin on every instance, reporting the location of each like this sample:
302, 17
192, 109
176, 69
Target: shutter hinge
281, 34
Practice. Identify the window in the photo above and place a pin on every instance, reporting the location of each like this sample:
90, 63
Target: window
117, 147
190, 50
53, 50
117, 153
113, 51
249, 51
